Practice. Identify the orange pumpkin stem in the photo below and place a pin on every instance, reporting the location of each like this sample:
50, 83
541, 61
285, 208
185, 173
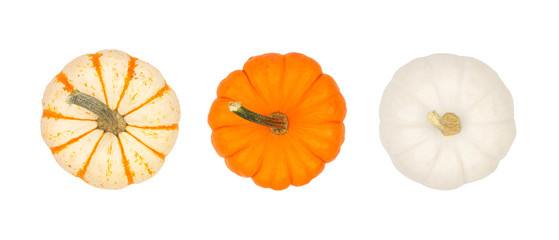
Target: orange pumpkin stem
277, 122
109, 120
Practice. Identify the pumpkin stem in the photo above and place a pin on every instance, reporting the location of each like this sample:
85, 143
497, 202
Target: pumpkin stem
108, 121
449, 124
277, 122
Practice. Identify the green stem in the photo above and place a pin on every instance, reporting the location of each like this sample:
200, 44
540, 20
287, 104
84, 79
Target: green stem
109, 120
277, 122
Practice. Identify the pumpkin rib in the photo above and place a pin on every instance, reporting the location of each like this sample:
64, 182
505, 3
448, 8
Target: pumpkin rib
81, 172
321, 112
306, 167
306, 94
392, 135
51, 114
158, 154
273, 172
438, 155
432, 79
330, 121
59, 148
158, 94
237, 87
125, 164
289, 174
146, 165
300, 72
163, 127
250, 138
281, 83
459, 157
62, 78
410, 94
326, 144
491, 122
413, 147
235, 153
227, 99
324, 103
484, 95
97, 65
129, 75
260, 160
475, 144
286, 160
232, 161
306, 145
265, 74
408, 125
300, 106
390, 112
460, 84
320, 122
257, 91
226, 126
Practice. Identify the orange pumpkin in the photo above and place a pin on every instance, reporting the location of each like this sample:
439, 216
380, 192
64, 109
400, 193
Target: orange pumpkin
278, 121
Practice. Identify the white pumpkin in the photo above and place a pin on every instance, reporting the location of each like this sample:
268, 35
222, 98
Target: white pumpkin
110, 119
465, 146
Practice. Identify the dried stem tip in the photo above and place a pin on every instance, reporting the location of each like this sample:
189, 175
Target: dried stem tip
449, 124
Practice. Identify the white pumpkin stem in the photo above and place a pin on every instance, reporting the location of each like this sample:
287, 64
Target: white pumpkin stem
108, 121
277, 122
449, 124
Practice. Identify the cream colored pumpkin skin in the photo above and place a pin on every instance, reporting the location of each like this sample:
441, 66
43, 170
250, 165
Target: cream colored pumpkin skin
454, 84
138, 92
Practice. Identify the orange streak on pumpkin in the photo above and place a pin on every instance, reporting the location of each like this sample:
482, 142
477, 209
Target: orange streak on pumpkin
57, 149
158, 154
97, 65
157, 95
151, 172
126, 164
129, 75
169, 127
146, 165
82, 171
55, 115
62, 78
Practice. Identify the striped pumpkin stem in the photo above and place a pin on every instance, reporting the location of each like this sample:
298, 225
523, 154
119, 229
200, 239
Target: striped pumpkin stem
109, 120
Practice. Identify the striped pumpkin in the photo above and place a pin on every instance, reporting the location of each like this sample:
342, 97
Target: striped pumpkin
110, 119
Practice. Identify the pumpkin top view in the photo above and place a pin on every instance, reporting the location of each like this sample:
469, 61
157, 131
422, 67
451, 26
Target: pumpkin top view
110, 119
473, 132
278, 121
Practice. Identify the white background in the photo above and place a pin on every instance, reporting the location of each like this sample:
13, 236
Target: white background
358, 196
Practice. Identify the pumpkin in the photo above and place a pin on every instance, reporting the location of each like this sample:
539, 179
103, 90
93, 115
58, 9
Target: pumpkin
110, 119
278, 121
446, 120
